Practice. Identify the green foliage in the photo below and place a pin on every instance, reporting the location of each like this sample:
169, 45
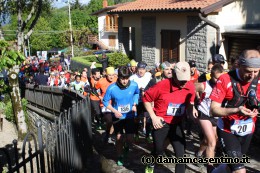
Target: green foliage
8, 56
2, 107
9, 114
8, 109
118, 59
3, 87
41, 41
86, 60
115, 59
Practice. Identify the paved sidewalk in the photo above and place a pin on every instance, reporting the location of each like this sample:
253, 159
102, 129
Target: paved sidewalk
108, 156
8, 134
104, 159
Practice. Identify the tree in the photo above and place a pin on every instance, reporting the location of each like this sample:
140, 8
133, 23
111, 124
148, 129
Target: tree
10, 58
28, 13
41, 40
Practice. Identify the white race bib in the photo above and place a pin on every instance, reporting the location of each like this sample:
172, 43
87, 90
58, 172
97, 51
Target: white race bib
175, 109
104, 109
242, 127
124, 108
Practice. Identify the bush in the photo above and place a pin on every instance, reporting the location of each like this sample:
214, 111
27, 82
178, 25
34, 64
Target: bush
8, 110
9, 114
118, 59
2, 107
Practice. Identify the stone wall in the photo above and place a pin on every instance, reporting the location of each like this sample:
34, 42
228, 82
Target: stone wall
196, 45
148, 40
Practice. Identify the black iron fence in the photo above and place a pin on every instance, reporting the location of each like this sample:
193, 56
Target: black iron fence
60, 143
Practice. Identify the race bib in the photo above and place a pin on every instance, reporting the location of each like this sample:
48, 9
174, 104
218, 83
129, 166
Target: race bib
124, 108
175, 109
104, 109
242, 127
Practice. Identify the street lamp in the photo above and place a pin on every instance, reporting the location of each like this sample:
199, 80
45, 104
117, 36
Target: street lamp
71, 38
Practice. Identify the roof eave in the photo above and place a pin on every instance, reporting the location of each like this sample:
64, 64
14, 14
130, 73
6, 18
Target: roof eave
154, 11
216, 6
103, 10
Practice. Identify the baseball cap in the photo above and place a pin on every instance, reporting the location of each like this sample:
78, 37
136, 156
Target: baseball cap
141, 64
192, 63
218, 58
62, 72
110, 70
164, 65
182, 71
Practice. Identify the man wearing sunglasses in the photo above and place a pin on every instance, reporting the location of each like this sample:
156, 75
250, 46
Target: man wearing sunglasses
234, 100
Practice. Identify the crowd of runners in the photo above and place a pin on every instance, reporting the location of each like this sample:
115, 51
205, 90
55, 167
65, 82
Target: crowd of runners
224, 104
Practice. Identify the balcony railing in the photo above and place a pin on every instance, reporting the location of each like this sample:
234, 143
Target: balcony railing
111, 28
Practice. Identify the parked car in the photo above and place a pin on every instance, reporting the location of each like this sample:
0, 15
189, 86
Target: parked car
102, 51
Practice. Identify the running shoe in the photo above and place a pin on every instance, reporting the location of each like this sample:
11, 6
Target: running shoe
136, 138
149, 140
120, 161
149, 169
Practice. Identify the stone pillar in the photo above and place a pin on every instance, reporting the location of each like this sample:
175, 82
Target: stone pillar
148, 40
196, 44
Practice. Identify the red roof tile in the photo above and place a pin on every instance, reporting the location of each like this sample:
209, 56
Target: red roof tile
164, 5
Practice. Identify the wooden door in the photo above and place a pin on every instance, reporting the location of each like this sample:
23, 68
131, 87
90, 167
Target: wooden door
170, 45
112, 40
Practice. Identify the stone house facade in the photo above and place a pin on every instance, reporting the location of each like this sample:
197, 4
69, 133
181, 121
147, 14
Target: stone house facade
155, 31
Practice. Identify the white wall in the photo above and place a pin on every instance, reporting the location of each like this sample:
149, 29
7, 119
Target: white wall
103, 36
236, 15
163, 22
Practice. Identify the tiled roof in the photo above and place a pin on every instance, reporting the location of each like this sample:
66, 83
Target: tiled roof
163, 5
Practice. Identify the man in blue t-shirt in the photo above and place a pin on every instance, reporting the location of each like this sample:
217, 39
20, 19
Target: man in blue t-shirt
121, 98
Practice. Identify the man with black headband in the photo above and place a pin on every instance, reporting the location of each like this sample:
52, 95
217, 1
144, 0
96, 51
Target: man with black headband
124, 96
234, 99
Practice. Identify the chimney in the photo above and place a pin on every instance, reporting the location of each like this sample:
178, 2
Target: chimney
104, 3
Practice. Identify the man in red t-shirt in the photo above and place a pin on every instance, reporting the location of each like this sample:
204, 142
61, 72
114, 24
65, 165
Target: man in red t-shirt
172, 99
234, 99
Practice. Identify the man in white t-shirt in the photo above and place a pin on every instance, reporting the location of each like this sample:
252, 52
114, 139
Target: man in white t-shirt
142, 78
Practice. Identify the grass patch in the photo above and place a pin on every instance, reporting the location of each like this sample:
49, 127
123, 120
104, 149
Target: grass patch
87, 60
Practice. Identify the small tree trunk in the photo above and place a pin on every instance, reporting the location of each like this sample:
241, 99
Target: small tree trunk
16, 102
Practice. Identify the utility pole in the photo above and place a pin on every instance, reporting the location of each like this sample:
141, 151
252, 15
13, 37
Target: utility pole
29, 49
71, 37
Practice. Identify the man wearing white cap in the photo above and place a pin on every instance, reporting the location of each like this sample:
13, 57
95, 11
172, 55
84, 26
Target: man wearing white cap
172, 98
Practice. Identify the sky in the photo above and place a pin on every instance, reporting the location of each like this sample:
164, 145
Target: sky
62, 3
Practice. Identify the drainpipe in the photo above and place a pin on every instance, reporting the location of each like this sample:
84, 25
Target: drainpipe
214, 25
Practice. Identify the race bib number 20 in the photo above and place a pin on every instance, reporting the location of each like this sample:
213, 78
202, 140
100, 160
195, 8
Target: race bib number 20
175, 109
242, 127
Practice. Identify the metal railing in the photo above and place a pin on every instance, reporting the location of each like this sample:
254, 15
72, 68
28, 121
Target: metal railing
52, 100
60, 143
